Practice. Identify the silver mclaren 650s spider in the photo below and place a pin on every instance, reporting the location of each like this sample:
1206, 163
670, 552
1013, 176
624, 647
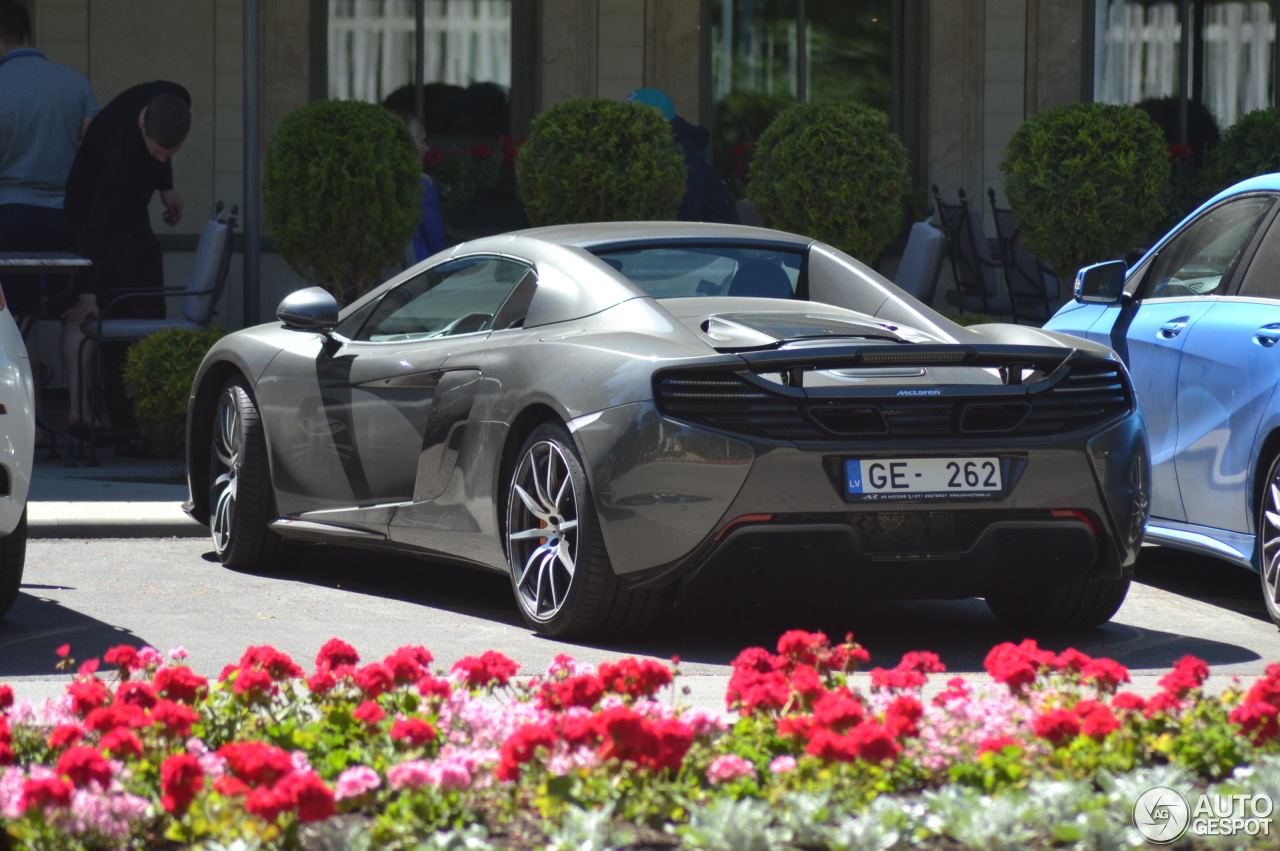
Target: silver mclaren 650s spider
617, 414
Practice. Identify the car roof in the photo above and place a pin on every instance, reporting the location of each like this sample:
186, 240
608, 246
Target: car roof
593, 234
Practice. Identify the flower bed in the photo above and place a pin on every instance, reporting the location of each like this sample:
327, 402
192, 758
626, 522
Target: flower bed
393, 754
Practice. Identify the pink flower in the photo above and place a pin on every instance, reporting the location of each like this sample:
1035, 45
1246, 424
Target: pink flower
409, 775
783, 764
356, 781
728, 767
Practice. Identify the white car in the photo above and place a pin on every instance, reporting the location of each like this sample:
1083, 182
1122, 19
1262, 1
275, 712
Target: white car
17, 447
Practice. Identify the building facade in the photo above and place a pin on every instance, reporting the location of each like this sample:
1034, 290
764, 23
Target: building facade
957, 77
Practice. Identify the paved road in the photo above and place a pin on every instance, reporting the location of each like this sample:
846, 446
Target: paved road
95, 594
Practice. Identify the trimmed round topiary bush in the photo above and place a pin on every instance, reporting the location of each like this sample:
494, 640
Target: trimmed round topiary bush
341, 194
835, 172
158, 373
1086, 181
1250, 147
596, 160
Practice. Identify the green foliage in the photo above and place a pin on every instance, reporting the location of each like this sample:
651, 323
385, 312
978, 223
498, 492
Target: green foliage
600, 160
1250, 147
737, 122
158, 372
835, 172
1086, 181
341, 193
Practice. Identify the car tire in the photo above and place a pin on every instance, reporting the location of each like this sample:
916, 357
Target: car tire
241, 501
13, 555
1084, 602
1267, 557
563, 581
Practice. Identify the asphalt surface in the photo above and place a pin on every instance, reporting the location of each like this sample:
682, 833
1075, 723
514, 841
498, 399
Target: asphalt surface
88, 585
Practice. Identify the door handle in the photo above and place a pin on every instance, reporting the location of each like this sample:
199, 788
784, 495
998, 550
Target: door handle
1267, 336
1169, 330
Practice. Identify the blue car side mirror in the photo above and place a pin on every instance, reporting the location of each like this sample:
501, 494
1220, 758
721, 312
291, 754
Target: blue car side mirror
1101, 283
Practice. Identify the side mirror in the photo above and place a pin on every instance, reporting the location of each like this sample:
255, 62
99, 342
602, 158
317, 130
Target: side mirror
312, 309
1101, 283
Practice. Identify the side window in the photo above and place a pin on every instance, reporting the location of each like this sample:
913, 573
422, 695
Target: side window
459, 297
1197, 260
1262, 278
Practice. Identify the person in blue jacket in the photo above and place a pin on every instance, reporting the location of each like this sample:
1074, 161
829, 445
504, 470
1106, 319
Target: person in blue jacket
429, 237
706, 196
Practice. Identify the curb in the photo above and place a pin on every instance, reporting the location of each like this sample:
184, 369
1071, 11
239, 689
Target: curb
111, 520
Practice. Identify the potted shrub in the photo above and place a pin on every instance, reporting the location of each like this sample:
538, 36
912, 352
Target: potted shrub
833, 171
340, 191
158, 372
1250, 147
601, 160
1086, 181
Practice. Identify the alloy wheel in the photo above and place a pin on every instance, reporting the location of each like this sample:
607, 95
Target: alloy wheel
227, 443
1270, 534
542, 523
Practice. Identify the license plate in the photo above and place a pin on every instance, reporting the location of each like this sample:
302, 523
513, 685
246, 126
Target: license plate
922, 478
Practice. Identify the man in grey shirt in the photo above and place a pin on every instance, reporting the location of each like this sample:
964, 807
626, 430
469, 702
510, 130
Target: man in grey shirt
44, 110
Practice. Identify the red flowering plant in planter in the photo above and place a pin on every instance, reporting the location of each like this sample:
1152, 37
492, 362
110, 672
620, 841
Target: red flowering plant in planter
462, 173
153, 752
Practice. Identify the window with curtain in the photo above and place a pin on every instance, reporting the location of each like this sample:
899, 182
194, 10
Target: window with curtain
1230, 57
466, 60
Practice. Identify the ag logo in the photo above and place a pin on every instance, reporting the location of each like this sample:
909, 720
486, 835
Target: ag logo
1161, 814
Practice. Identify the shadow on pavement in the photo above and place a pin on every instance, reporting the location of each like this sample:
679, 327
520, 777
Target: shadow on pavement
34, 629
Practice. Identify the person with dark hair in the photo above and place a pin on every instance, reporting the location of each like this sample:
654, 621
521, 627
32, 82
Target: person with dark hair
44, 110
706, 197
124, 160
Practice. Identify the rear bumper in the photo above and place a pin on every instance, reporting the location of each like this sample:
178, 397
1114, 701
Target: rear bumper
676, 514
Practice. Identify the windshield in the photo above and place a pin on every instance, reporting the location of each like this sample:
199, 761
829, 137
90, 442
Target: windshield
709, 270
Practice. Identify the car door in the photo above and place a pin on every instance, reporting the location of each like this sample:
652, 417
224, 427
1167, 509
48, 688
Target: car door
1230, 370
1177, 288
361, 403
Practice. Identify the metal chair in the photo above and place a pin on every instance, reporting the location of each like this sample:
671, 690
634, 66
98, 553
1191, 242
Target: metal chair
1033, 288
921, 262
200, 295
977, 275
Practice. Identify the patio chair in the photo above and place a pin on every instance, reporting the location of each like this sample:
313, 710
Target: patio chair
921, 262
1033, 288
977, 275
200, 295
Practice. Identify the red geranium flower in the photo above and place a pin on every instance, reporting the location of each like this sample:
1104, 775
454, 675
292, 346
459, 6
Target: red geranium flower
408, 664
1096, 719
106, 718
65, 735
996, 744
256, 763
254, 685
902, 716
136, 693
1108, 674
584, 690
1057, 725
369, 713
45, 791
277, 664
6, 697
308, 795
174, 718
1258, 720
1188, 673
335, 654
634, 678
121, 743
87, 695
321, 682
490, 668
1128, 701
180, 683
180, 779
869, 741
84, 765
521, 746
838, 711
124, 657
374, 679
803, 647
415, 731
430, 686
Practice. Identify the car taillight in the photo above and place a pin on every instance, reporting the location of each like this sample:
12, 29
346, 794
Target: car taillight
1075, 514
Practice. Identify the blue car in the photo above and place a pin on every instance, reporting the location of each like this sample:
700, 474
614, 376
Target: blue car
1197, 320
